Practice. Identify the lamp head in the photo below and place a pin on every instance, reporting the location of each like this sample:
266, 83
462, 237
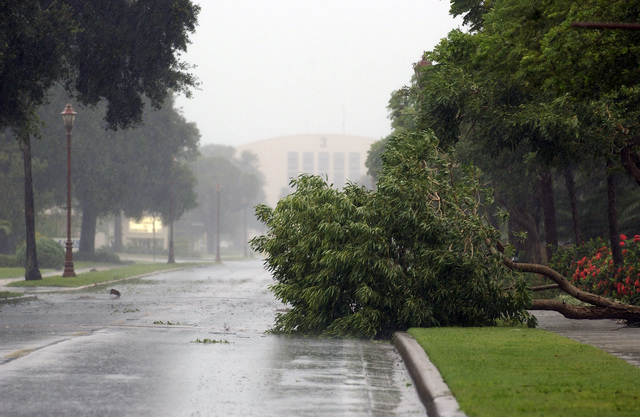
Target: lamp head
68, 117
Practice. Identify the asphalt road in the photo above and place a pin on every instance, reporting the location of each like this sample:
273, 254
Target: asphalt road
87, 354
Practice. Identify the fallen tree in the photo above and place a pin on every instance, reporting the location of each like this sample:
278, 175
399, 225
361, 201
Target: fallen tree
417, 252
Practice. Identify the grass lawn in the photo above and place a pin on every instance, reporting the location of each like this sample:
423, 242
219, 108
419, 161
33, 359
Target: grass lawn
506, 371
8, 294
96, 277
17, 272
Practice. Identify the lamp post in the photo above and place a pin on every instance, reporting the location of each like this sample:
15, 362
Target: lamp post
68, 117
218, 188
418, 66
172, 259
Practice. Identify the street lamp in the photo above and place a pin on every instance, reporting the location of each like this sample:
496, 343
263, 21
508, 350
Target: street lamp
68, 117
418, 66
172, 259
218, 188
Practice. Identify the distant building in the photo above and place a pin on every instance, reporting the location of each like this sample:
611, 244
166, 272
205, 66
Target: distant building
340, 158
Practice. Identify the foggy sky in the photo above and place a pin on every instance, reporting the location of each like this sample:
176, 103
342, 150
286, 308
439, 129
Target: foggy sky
282, 67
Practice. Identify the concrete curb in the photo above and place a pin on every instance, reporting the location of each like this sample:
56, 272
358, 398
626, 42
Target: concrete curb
432, 390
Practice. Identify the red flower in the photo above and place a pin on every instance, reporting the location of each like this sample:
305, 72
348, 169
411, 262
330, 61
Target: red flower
636, 238
623, 237
628, 280
621, 243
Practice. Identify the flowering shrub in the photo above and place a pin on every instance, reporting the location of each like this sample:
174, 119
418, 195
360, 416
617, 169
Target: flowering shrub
594, 272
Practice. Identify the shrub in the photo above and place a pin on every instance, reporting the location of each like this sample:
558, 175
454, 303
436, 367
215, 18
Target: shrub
8, 261
590, 267
101, 255
50, 254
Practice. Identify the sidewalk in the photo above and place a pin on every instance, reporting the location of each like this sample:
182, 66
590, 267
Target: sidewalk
611, 336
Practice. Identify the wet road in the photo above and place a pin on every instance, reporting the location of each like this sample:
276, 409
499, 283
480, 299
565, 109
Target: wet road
83, 353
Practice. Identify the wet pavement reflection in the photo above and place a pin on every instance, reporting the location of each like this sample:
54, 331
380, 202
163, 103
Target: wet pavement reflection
86, 354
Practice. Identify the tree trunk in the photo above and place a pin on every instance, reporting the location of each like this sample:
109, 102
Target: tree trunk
573, 200
117, 232
549, 211
617, 311
631, 158
612, 215
31, 267
522, 221
88, 233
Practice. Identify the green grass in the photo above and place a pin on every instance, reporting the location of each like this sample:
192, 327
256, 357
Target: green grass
97, 277
515, 372
8, 294
16, 272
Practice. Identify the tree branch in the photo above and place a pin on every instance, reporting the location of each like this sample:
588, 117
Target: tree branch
619, 311
543, 287
601, 308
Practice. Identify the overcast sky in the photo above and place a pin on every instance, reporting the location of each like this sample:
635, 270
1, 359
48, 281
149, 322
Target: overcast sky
272, 68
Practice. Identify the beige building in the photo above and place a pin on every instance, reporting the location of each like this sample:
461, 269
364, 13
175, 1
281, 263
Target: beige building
340, 158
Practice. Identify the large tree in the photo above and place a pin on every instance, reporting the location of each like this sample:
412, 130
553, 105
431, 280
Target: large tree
118, 51
126, 171
416, 252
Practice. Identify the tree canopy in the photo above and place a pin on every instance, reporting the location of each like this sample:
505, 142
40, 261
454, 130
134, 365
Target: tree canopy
117, 51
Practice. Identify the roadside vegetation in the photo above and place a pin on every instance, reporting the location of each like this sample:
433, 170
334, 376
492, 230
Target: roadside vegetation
9, 294
521, 372
97, 277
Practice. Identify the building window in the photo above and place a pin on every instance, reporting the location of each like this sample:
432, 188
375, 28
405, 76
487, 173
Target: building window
323, 164
354, 166
338, 169
292, 165
307, 162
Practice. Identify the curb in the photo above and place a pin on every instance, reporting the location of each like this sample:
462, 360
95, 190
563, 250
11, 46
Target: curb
432, 390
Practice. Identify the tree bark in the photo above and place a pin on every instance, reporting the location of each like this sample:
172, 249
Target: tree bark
522, 221
612, 216
117, 232
618, 311
631, 159
573, 200
32, 272
88, 233
549, 212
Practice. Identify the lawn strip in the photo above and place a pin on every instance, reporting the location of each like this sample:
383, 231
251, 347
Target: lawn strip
96, 277
515, 372
14, 272
9, 294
